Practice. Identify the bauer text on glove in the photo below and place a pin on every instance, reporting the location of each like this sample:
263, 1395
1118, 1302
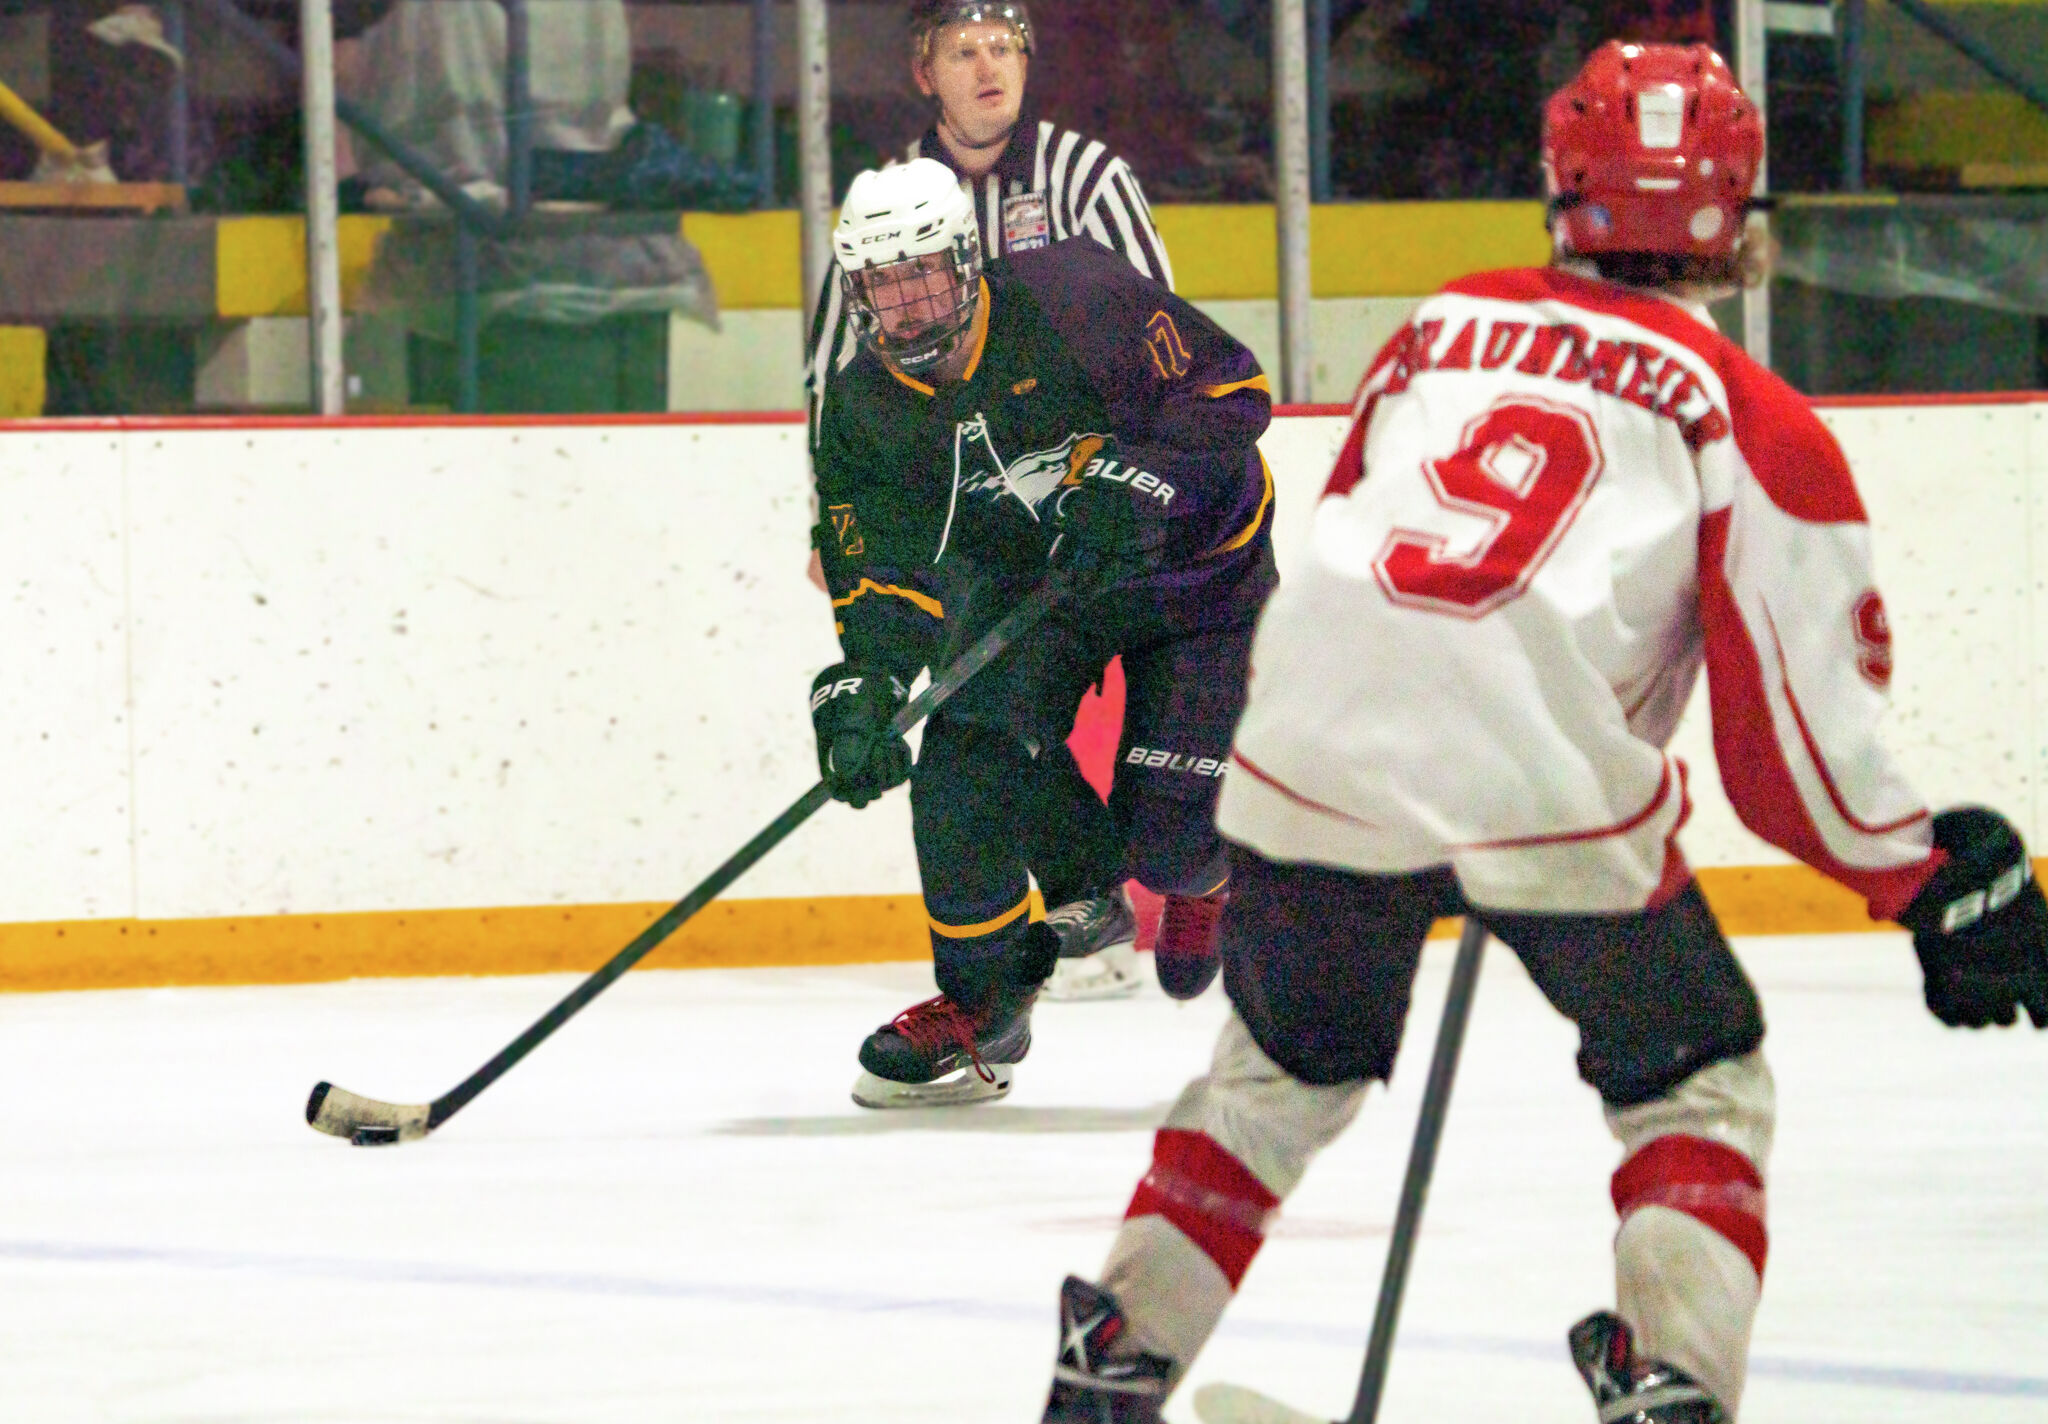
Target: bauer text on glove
1980, 925
859, 757
1109, 523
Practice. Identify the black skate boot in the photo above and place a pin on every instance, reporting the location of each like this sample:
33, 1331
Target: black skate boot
1098, 948
1631, 1391
1089, 1386
1185, 956
937, 1054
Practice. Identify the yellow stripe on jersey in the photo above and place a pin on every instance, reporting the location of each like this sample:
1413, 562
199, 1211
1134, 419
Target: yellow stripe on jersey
1022, 907
1256, 383
867, 586
1244, 536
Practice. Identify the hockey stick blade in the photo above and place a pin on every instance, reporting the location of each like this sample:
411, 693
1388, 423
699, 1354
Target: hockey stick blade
1234, 1404
366, 1122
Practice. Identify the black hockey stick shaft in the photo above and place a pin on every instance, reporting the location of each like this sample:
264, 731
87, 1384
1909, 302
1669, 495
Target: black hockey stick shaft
1429, 1130
1014, 624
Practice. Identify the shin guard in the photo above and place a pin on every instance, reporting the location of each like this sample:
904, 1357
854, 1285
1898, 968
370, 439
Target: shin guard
1689, 1254
1231, 1150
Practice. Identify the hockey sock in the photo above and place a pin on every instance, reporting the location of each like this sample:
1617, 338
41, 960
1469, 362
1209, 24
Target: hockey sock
1689, 1255
1231, 1150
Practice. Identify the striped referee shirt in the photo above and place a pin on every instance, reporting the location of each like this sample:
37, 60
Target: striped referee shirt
1058, 186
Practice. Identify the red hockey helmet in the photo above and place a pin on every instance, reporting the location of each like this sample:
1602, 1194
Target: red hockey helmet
1652, 148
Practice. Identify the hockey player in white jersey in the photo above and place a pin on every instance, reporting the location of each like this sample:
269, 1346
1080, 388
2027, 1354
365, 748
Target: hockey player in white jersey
1563, 492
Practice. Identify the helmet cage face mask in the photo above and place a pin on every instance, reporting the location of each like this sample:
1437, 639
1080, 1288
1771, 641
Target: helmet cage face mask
929, 20
942, 289
909, 252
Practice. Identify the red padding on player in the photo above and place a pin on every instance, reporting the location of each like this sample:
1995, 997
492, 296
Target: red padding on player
1715, 1185
1211, 1196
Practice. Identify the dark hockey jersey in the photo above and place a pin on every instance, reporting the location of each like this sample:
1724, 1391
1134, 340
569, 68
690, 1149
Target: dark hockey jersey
1081, 367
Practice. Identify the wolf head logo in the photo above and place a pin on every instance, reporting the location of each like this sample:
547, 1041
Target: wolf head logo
1033, 477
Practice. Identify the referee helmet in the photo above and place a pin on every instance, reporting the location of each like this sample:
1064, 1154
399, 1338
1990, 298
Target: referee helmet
928, 17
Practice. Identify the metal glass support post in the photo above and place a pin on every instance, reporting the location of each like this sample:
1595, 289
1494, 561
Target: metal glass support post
1753, 72
1291, 208
518, 109
814, 146
1319, 99
323, 252
178, 121
764, 103
1855, 69
468, 323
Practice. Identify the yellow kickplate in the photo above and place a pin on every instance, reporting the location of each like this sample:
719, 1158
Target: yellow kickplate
288, 949
848, 929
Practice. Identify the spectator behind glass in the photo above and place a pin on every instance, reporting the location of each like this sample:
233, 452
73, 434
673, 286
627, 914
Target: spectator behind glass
433, 72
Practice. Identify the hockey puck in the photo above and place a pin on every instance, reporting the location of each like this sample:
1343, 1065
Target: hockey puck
373, 1137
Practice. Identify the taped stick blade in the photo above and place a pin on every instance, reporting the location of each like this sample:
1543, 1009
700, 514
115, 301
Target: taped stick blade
366, 1122
1234, 1404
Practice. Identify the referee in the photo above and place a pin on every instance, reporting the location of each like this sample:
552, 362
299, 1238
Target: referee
1032, 184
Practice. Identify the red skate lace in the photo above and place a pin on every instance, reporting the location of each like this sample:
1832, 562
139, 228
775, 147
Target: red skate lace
940, 1023
1188, 924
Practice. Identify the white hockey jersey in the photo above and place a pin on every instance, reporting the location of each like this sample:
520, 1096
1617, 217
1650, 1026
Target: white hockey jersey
1558, 498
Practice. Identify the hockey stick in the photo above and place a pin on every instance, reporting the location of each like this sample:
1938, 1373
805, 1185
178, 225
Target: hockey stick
367, 1122
1234, 1404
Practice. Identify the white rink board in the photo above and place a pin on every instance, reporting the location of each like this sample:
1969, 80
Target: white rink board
402, 667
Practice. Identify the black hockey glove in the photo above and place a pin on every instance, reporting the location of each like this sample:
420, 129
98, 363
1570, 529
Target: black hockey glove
1980, 926
858, 756
1100, 531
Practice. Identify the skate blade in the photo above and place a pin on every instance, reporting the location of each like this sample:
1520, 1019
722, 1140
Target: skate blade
1109, 973
956, 1090
1068, 988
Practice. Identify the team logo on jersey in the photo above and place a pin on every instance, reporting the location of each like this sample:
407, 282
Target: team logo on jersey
1034, 475
1169, 353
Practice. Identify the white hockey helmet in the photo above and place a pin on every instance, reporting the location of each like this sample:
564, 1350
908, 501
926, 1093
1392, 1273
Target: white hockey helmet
910, 257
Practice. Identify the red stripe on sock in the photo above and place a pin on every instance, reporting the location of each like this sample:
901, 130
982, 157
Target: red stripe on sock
1209, 1195
1714, 1184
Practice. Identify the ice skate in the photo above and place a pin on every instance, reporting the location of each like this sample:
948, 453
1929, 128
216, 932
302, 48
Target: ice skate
1185, 956
1098, 948
937, 1054
1090, 1386
1631, 1391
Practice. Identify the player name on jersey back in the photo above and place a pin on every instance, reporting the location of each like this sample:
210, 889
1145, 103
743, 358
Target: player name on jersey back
1644, 373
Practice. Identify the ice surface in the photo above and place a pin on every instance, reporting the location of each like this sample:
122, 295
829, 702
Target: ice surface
672, 1211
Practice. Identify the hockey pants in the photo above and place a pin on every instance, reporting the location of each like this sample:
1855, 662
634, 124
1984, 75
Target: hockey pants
1689, 1254
995, 792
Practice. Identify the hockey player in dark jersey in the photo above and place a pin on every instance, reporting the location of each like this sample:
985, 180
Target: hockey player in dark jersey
1031, 183
1058, 410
